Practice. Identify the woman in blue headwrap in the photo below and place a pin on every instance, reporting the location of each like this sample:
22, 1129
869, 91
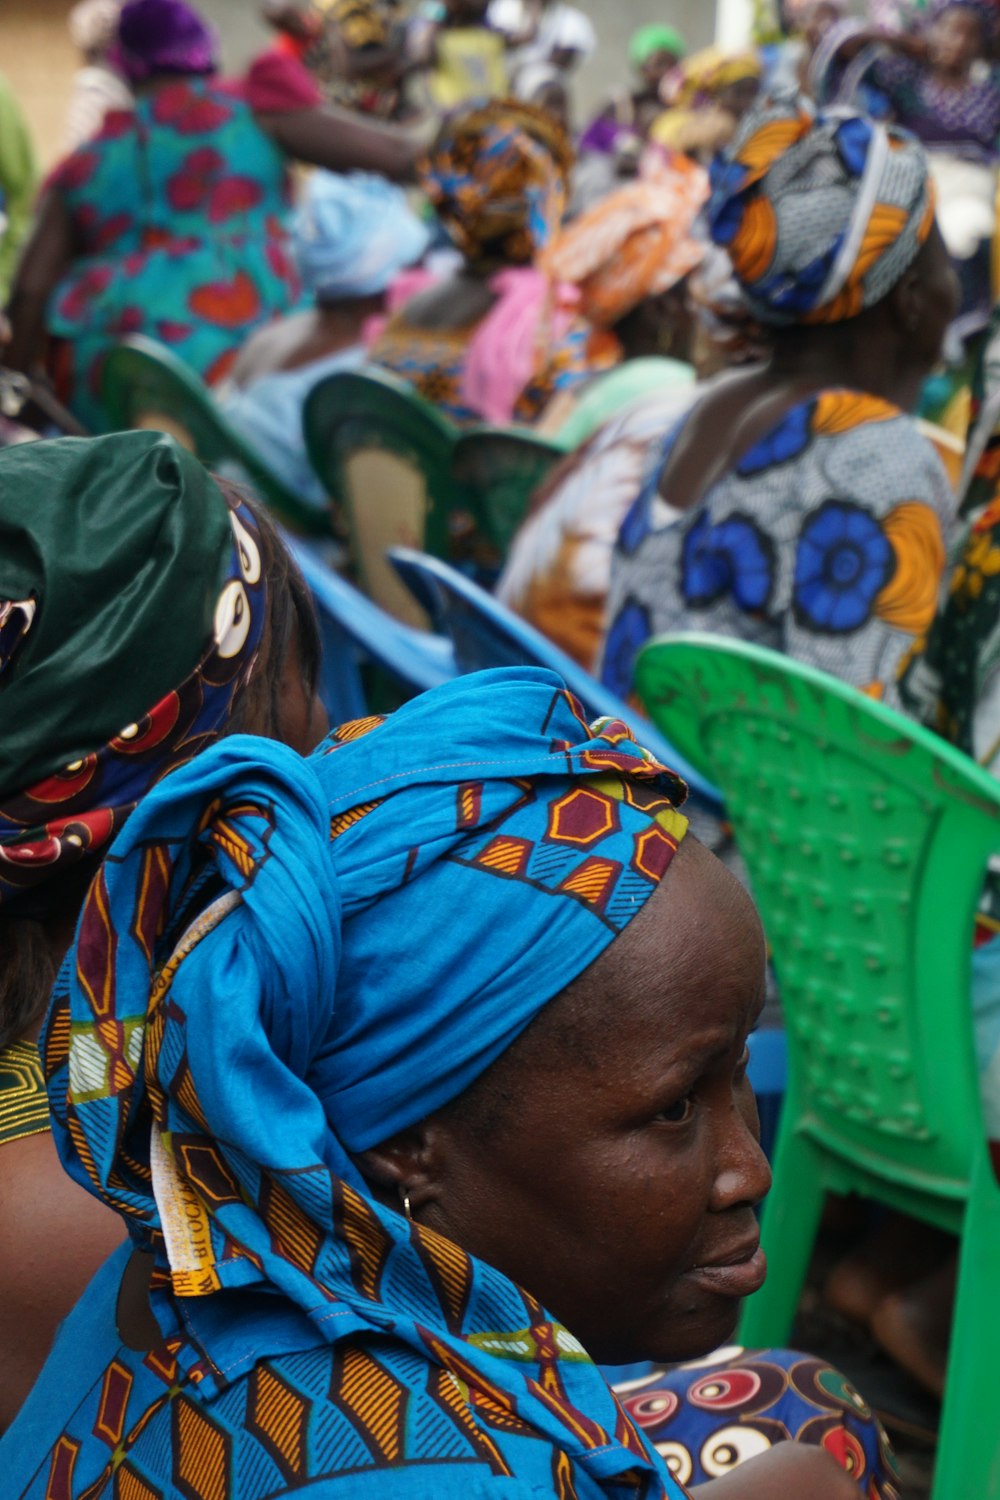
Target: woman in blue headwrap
797, 504
417, 1070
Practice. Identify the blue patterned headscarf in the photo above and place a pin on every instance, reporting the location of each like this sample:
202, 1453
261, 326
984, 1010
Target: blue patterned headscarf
368, 930
820, 212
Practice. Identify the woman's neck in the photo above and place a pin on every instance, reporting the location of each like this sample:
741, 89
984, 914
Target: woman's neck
840, 355
342, 321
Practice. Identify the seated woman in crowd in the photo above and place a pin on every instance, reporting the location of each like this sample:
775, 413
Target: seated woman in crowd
349, 46
98, 86
171, 222
630, 258
813, 512
102, 541
706, 98
495, 341
653, 52
351, 237
938, 84
392, 1175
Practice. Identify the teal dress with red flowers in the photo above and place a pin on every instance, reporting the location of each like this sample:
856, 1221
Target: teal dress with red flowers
178, 211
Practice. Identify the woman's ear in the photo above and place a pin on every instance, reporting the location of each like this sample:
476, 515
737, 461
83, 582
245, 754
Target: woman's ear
906, 302
407, 1166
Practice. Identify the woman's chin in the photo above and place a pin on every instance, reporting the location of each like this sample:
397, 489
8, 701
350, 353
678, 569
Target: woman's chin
685, 1339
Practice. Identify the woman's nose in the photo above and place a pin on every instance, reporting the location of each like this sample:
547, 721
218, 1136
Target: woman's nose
743, 1176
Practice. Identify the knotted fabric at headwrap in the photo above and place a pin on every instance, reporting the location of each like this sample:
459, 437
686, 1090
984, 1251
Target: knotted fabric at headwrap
388, 916
497, 177
131, 606
820, 213
634, 244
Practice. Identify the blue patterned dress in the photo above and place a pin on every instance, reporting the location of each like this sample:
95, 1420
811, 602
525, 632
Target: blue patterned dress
825, 541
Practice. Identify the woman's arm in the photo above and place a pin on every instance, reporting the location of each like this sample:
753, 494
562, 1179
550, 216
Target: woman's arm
788, 1471
325, 136
903, 42
47, 255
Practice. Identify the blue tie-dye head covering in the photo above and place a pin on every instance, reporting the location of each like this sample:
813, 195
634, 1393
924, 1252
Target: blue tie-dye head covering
367, 930
819, 212
353, 233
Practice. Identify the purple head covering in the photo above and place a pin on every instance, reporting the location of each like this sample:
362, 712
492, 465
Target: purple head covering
165, 36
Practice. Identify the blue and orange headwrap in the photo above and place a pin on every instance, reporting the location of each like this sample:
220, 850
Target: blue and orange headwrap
380, 922
820, 213
132, 601
497, 176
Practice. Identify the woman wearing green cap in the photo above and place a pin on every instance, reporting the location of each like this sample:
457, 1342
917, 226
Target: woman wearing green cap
653, 51
145, 611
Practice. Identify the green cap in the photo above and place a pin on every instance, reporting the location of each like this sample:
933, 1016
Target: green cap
650, 39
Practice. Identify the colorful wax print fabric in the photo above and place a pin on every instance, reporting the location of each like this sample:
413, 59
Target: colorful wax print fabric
820, 213
497, 177
369, 1418
559, 565
211, 1078
951, 679
178, 209
24, 1104
825, 541
434, 361
707, 1417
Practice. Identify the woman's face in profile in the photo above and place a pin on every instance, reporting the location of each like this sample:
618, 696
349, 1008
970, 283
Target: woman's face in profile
618, 1183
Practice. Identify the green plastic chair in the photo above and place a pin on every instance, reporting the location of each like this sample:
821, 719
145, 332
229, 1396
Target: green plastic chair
144, 384
609, 394
386, 454
866, 839
499, 469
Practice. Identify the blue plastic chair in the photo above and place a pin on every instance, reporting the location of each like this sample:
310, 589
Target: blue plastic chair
485, 634
353, 630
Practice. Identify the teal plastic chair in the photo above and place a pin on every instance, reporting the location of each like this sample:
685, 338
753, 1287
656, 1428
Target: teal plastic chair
866, 839
499, 469
143, 383
609, 394
386, 455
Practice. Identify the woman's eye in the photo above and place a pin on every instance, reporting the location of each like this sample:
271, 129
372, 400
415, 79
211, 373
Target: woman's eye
677, 1114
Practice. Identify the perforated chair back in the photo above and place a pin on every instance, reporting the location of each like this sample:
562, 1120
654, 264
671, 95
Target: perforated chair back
866, 839
387, 457
144, 384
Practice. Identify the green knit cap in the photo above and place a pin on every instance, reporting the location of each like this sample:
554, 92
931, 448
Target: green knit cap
650, 39
123, 544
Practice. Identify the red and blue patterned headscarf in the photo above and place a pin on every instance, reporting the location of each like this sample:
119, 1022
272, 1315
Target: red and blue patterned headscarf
376, 925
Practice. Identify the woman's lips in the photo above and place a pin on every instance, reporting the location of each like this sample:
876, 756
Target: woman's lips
736, 1278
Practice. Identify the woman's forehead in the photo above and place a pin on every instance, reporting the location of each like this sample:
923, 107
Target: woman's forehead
692, 960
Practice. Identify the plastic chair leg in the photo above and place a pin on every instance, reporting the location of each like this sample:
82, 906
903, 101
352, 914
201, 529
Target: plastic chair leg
790, 1221
967, 1465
